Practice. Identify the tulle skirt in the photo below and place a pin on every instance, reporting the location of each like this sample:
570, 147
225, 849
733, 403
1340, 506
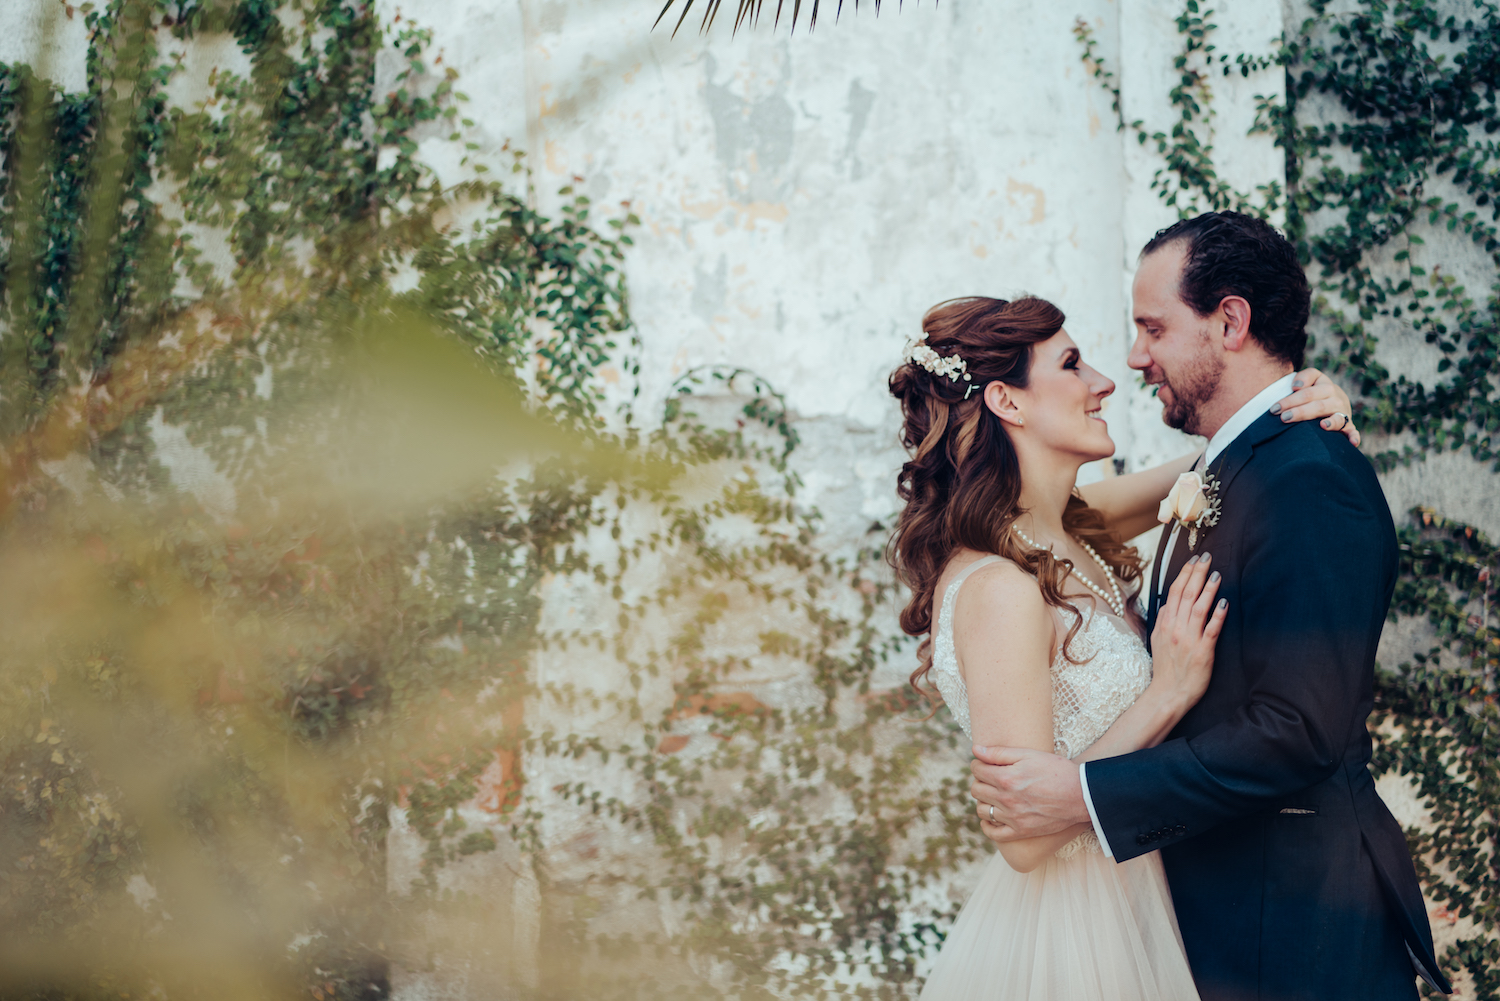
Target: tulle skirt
1076, 928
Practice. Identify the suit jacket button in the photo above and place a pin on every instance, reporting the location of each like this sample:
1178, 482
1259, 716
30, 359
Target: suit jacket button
1179, 830
1143, 839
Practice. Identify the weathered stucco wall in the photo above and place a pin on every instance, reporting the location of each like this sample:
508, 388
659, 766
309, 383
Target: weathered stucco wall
49, 36
805, 198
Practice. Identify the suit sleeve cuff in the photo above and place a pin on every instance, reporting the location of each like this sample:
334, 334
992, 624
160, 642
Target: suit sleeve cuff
1088, 801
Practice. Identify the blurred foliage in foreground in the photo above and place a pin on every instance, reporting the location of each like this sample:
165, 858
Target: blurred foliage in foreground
261, 581
293, 439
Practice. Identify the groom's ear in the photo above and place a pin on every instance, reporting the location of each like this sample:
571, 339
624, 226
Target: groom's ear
1234, 311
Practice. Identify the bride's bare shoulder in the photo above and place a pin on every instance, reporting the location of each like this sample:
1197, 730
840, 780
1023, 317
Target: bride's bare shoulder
1001, 621
998, 589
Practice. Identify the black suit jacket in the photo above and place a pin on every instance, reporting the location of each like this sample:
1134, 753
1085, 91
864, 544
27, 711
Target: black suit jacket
1290, 877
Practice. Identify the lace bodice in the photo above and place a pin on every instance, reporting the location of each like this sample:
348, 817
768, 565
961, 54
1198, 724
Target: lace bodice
1087, 697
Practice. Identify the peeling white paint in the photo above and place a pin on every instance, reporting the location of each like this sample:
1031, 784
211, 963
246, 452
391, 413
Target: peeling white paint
49, 37
141, 890
191, 468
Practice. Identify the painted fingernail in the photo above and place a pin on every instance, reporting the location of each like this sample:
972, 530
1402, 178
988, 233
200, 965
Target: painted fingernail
1275, 408
1213, 577
1296, 383
1223, 602
1286, 418
1206, 557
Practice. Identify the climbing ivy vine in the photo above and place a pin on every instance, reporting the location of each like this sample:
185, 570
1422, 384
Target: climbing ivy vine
237, 638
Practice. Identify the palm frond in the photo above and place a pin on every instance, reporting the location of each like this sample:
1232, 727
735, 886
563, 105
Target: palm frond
747, 13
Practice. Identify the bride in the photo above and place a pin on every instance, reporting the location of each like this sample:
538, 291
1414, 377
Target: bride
1044, 648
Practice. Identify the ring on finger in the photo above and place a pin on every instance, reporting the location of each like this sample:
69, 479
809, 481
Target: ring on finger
992, 814
1340, 413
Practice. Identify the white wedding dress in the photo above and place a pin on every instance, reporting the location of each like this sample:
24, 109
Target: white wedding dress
1079, 927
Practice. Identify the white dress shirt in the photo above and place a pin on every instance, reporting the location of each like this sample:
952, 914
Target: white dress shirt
1259, 404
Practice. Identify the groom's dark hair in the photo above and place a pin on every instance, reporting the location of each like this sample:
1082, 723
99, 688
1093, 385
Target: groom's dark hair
1230, 253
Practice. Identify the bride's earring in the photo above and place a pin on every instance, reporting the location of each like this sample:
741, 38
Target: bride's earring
1020, 422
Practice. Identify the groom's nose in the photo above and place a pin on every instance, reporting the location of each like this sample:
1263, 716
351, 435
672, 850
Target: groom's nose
1140, 355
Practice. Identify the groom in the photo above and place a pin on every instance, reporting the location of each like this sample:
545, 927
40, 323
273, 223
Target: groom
1290, 877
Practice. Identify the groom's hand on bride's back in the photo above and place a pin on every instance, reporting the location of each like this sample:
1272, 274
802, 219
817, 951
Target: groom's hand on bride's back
1033, 793
1024, 793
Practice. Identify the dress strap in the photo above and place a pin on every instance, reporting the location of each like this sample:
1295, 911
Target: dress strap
945, 611
944, 653
963, 574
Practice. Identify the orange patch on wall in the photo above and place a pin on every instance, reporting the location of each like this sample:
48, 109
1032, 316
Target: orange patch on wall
501, 781
672, 744
725, 702
1038, 197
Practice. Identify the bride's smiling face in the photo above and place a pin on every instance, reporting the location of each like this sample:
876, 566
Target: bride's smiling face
1061, 405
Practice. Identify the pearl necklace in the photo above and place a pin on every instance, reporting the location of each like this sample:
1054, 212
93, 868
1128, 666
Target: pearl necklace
1113, 598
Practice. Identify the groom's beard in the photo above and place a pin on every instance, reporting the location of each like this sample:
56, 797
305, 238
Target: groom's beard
1191, 389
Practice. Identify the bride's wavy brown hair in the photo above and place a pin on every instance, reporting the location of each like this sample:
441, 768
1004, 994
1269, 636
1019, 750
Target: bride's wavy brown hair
962, 484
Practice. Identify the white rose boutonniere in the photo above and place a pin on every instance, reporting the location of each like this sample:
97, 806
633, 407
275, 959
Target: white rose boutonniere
1193, 501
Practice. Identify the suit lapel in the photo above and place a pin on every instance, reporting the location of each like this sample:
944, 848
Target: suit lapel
1223, 469
1228, 465
1152, 596
1180, 555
